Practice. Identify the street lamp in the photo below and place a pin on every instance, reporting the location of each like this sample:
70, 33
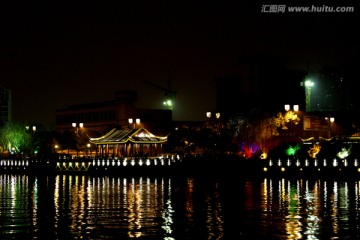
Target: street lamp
295, 107
88, 149
209, 114
77, 126
56, 147
33, 128
330, 121
131, 121
214, 122
292, 115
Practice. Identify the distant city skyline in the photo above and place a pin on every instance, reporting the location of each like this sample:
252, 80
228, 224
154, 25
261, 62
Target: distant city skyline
54, 55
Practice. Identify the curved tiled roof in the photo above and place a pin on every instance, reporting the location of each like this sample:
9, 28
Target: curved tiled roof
119, 136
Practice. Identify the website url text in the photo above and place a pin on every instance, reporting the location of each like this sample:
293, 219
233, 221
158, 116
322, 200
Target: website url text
307, 9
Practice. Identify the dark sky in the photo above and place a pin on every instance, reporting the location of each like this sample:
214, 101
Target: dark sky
58, 53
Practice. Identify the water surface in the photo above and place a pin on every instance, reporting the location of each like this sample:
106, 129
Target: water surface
115, 207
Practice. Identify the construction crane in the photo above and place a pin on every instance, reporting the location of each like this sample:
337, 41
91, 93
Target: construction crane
308, 84
170, 95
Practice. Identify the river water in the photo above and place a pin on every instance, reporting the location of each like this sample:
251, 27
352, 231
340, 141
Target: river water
115, 207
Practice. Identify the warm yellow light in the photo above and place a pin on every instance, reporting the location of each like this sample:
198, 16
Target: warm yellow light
138, 120
81, 125
283, 169
208, 114
265, 169
33, 128
217, 115
332, 119
130, 120
295, 107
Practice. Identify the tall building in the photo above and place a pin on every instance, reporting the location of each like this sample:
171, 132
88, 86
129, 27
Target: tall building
103, 116
336, 94
335, 89
262, 82
5, 105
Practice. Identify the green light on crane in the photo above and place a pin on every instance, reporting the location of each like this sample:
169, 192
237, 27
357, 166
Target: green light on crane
169, 94
169, 104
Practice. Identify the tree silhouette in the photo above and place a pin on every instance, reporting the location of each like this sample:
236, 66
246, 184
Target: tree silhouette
14, 138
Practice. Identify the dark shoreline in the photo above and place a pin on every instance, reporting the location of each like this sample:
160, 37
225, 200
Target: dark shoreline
188, 166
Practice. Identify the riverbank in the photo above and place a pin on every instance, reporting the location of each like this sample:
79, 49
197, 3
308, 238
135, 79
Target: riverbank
190, 165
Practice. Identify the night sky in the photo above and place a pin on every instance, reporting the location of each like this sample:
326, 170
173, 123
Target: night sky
59, 53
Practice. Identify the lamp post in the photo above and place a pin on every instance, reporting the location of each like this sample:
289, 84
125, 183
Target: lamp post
56, 147
214, 126
295, 107
329, 120
33, 130
77, 126
88, 149
213, 120
292, 115
133, 122
209, 114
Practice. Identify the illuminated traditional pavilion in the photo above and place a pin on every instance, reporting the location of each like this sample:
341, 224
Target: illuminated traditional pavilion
129, 142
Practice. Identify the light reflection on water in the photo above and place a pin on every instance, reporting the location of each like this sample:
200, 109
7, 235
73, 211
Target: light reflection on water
99, 207
109, 206
313, 209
